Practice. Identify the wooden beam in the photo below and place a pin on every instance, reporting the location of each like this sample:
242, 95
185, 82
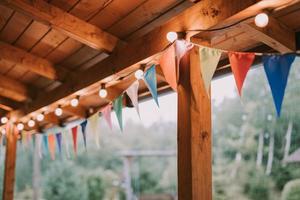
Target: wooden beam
78, 111
276, 35
194, 132
201, 15
10, 162
8, 105
70, 25
13, 89
30, 62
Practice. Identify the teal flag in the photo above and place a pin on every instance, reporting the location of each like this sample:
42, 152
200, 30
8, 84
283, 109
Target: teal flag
45, 140
150, 81
118, 105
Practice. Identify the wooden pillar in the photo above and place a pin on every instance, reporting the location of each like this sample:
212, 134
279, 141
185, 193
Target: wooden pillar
10, 162
194, 132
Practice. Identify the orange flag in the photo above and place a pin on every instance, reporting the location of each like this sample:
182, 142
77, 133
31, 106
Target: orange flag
51, 142
168, 65
240, 64
74, 135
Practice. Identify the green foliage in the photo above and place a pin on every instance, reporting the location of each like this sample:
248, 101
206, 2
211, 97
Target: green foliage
258, 186
95, 188
291, 190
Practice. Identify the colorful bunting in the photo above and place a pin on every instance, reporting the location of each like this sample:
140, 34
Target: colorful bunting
132, 92
118, 105
240, 64
93, 128
58, 139
277, 68
168, 65
65, 136
106, 112
74, 136
209, 59
150, 81
181, 47
45, 141
51, 140
39, 141
83, 127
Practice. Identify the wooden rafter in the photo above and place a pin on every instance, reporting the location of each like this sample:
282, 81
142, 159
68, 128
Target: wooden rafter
78, 111
70, 25
13, 89
8, 104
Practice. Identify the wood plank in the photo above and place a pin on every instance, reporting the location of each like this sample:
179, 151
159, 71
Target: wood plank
194, 132
5, 15
276, 35
78, 111
66, 23
10, 162
8, 104
13, 89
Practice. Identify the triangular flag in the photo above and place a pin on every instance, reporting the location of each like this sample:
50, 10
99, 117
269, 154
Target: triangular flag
74, 136
93, 128
83, 127
150, 81
277, 68
39, 141
58, 139
209, 59
132, 92
181, 47
106, 112
118, 105
167, 63
240, 64
51, 140
65, 135
45, 141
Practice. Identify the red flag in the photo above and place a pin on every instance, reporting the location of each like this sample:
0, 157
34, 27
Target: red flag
240, 65
51, 142
168, 65
74, 135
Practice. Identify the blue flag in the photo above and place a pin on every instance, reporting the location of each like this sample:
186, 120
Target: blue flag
150, 80
118, 105
83, 127
45, 140
58, 139
277, 68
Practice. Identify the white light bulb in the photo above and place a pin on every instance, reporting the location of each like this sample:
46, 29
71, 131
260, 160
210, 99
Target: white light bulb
31, 123
261, 20
3, 131
103, 93
139, 74
20, 126
172, 36
4, 120
58, 111
40, 117
74, 102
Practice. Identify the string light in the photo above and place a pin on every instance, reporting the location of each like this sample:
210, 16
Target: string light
31, 123
261, 20
172, 36
103, 91
4, 120
3, 131
58, 111
75, 101
40, 117
139, 74
20, 126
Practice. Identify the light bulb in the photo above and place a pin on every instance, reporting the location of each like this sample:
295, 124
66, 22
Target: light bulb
40, 117
58, 111
172, 36
31, 123
261, 20
139, 74
4, 120
3, 131
20, 126
74, 102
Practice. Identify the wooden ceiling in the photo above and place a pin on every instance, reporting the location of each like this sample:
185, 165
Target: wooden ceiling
51, 51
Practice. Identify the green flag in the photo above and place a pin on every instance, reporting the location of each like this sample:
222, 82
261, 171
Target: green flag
118, 104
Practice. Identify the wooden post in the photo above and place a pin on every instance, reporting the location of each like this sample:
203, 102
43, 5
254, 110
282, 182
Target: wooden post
10, 162
194, 132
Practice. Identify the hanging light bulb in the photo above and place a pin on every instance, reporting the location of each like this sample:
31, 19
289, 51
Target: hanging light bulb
20, 126
261, 20
58, 111
139, 74
75, 101
4, 120
103, 91
3, 131
172, 36
40, 117
31, 123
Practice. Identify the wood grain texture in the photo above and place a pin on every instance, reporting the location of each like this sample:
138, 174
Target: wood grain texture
13, 89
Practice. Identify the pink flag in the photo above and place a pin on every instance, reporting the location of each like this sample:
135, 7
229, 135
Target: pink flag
74, 135
132, 92
106, 112
51, 143
168, 65
240, 65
